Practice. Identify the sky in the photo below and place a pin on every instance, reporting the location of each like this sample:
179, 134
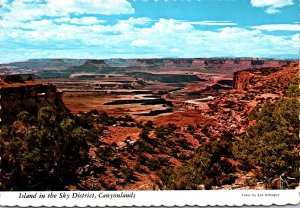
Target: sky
101, 29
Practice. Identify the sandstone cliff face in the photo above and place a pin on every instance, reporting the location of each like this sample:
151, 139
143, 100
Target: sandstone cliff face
265, 78
203, 64
243, 80
27, 96
253, 88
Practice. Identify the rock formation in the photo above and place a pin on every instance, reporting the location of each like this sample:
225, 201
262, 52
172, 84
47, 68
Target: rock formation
251, 88
69, 66
265, 78
19, 94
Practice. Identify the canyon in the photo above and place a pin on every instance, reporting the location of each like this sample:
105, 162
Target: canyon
138, 86
204, 98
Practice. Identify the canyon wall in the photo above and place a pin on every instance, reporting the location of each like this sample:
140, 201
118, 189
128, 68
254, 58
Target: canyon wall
25, 95
203, 64
105, 66
268, 78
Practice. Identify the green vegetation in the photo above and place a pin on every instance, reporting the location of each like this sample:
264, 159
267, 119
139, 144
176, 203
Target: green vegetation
293, 89
43, 152
209, 166
272, 143
191, 129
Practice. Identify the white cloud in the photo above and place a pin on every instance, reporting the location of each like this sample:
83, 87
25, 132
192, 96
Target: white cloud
23, 10
140, 43
181, 39
210, 23
2, 2
91, 6
272, 6
165, 26
275, 3
273, 27
80, 21
164, 38
136, 21
272, 10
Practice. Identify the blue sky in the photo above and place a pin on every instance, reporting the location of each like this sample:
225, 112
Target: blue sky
148, 28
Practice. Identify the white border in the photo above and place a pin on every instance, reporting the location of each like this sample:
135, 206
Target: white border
153, 198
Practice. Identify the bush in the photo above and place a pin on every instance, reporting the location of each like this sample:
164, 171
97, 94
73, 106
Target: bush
272, 142
144, 134
149, 125
47, 155
208, 166
190, 129
128, 174
293, 88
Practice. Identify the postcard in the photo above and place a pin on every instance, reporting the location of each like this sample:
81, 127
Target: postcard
149, 103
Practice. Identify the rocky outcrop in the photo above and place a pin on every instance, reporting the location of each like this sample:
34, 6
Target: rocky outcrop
197, 64
254, 87
24, 95
265, 78
242, 79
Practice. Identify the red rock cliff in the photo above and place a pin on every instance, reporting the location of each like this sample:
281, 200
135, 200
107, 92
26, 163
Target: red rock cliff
265, 78
19, 95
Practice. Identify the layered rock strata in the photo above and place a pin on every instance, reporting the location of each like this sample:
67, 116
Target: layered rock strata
18, 94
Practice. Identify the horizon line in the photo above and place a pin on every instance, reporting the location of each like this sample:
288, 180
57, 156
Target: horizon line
147, 58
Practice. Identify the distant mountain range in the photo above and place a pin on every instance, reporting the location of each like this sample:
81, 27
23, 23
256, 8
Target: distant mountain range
67, 67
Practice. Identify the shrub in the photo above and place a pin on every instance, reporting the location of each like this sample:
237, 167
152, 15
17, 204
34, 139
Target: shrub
271, 143
47, 156
190, 129
293, 88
